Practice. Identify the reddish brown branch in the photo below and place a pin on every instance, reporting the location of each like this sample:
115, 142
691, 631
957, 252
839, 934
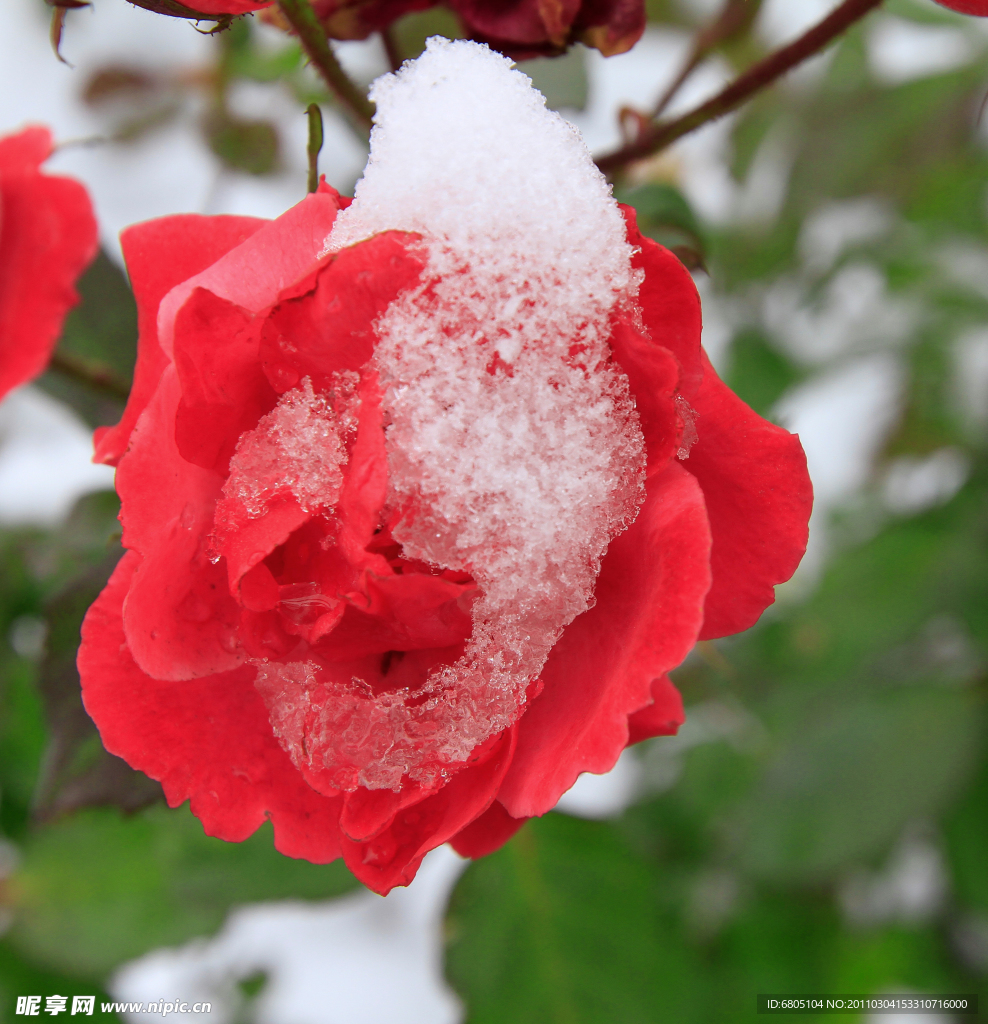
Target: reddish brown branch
742, 88
300, 15
735, 16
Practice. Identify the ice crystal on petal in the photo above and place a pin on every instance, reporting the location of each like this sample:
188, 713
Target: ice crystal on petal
297, 449
514, 449
689, 436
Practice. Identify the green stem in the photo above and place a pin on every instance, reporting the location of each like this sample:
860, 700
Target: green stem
742, 88
95, 375
302, 18
315, 144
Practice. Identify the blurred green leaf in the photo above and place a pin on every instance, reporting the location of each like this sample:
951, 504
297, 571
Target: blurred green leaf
873, 597
96, 889
561, 80
966, 832
665, 215
242, 144
758, 372
20, 977
411, 31
103, 326
559, 927
99, 334
22, 739
243, 58
50, 580
76, 770
841, 789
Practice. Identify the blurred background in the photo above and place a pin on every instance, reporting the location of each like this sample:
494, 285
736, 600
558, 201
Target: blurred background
820, 824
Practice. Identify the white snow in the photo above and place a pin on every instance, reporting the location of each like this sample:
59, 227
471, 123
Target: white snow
514, 448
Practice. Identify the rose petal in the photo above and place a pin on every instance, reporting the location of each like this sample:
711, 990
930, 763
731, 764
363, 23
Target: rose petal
208, 742
487, 833
325, 323
393, 856
254, 273
670, 304
662, 717
228, 6
758, 497
47, 238
367, 812
976, 7
224, 390
539, 22
653, 375
179, 617
649, 609
160, 254
611, 26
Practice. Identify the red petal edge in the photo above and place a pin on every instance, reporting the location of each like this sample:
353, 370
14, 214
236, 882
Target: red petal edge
979, 8
649, 609
208, 741
161, 254
487, 833
758, 496
48, 236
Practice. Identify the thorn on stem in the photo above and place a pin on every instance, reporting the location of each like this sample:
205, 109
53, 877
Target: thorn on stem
58, 23
222, 24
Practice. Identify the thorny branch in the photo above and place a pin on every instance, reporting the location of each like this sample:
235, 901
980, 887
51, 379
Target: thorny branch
654, 137
300, 15
734, 17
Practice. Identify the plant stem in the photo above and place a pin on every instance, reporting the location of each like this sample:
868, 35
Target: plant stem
315, 144
96, 375
391, 47
302, 18
754, 79
734, 16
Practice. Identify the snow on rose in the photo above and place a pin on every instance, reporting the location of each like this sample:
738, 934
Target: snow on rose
423, 496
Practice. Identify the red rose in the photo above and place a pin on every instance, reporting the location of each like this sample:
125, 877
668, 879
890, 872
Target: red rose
532, 28
163, 648
978, 7
47, 238
539, 28
207, 8
416, 536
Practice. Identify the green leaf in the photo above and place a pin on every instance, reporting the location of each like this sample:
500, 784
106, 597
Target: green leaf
242, 144
76, 770
243, 58
20, 977
103, 327
757, 372
875, 597
100, 334
561, 927
97, 889
410, 32
966, 834
665, 215
561, 80
842, 787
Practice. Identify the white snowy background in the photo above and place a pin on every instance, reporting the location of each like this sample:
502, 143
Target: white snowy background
363, 959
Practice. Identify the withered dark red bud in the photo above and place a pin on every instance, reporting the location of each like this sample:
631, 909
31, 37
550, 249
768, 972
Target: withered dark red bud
529, 28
